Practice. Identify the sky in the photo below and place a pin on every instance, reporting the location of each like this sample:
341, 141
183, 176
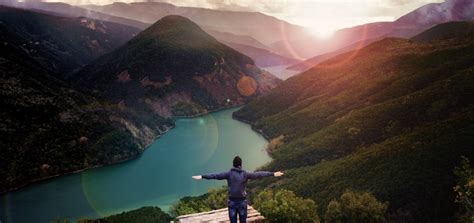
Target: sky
322, 17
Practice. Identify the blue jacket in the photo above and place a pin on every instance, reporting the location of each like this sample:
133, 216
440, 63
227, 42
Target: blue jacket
237, 180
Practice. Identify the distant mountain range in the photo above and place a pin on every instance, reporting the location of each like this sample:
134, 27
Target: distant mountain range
264, 28
287, 40
394, 120
248, 45
259, 52
66, 10
262, 57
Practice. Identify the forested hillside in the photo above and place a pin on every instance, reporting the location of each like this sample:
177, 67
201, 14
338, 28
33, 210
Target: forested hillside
392, 119
48, 127
61, 44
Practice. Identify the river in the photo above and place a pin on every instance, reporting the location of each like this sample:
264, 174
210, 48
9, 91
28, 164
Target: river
159, 177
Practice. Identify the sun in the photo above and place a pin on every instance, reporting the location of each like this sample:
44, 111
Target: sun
321, 32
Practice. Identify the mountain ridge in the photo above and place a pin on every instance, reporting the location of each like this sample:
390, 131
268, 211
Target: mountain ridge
66, 10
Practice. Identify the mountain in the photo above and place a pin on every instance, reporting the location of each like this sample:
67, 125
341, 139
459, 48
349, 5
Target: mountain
251, 47
49, 128
306, 64
58, 43
433, 14
406, 26
394, 120
446, 31
262, 57
253, 24
237, 39
66, 10
175, 68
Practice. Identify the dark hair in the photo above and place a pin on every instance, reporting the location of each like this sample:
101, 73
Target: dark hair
237, 161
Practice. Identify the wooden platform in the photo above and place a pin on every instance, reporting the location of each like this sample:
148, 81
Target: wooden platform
220, 215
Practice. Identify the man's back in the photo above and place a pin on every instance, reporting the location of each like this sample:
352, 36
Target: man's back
237, 180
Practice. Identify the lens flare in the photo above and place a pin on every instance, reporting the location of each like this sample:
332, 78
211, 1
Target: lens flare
246, 86
343, 58
287, 43
211, 134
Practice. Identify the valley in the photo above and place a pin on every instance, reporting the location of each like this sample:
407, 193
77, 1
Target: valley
159, 177
109, 108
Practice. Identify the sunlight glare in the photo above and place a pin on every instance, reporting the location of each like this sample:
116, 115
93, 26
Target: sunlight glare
321, 32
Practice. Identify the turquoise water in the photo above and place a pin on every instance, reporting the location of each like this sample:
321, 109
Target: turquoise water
159, 177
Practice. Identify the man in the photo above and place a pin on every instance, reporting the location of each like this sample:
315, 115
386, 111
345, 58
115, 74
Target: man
236, 182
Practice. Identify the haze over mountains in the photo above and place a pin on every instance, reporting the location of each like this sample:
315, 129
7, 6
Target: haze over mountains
246, 43
248, 31
254, 24
406, 26
66, 10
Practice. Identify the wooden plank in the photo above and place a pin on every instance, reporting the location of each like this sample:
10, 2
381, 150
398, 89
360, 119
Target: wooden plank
220, 215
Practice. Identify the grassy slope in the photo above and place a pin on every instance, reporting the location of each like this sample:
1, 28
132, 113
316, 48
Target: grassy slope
393, 120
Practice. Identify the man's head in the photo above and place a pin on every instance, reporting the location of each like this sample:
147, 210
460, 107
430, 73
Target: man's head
237, 161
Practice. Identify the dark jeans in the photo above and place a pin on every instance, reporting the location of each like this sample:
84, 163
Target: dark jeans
237, 207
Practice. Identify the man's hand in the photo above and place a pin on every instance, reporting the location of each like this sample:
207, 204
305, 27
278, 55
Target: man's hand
198, 177
278, 174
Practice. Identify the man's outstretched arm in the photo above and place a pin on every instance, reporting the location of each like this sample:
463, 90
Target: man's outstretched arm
214, 176
262, 174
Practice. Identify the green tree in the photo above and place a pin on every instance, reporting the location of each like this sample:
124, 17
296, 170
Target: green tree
216, 199
285, 206
464, 190
355, 207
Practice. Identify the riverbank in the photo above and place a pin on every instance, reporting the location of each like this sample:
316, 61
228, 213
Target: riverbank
42, 179
207, 112
252, 126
